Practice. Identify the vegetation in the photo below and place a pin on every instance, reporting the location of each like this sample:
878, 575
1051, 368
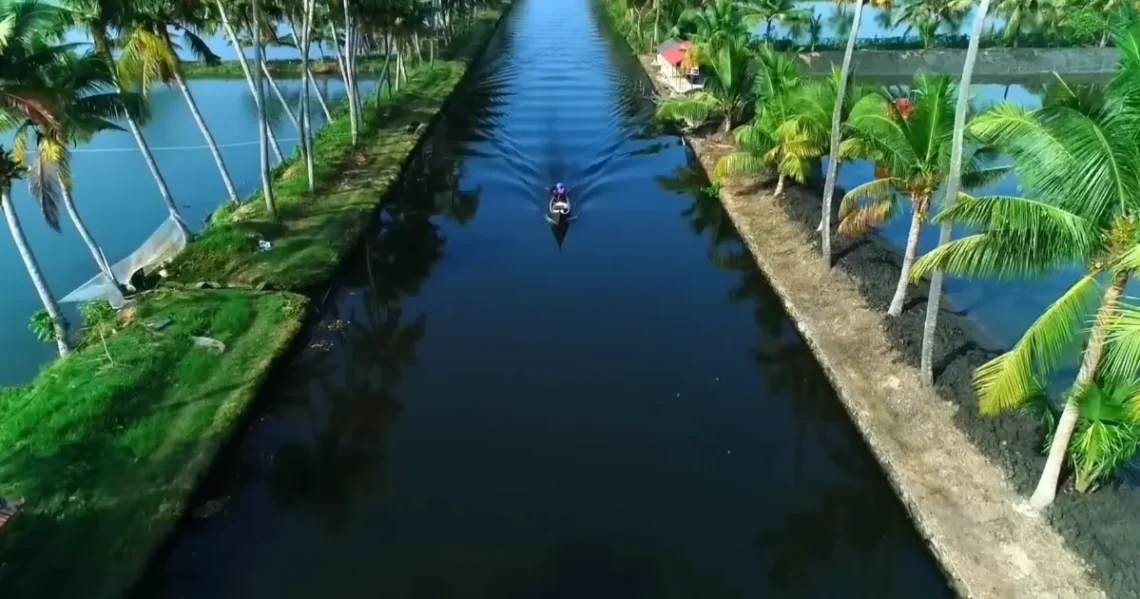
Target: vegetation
312, 233
1075, 158
926, 23
107, 445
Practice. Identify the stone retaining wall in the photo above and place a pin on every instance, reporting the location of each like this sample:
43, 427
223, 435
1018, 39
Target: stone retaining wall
992, 62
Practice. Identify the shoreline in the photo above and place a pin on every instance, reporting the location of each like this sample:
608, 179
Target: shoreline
960, 500
327, 68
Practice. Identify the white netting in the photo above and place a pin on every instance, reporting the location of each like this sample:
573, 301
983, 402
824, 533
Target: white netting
162, 245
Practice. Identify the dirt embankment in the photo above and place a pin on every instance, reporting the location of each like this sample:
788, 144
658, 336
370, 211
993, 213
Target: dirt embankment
963, 478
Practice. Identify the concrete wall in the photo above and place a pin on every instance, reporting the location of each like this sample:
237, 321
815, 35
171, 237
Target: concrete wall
992, 62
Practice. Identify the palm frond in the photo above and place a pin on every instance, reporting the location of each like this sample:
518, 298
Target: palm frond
873, 191
43, 185
147, 59
199, 48
1122, 352
1007, 381
975, 179
739, 163
1042, 233
699, 107
879, 203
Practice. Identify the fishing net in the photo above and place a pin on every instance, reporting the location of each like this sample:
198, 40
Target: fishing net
162, 245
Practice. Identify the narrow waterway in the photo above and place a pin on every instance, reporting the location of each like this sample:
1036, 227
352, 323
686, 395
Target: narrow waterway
487, 409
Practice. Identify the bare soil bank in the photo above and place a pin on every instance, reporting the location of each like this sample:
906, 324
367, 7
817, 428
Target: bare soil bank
1102, 528
958, 474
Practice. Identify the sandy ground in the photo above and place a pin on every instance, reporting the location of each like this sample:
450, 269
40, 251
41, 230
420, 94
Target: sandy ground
963, 478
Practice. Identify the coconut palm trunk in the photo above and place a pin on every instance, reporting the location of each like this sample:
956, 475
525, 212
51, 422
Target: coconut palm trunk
953, 185
1046, 489
209, 137
277, 92
232, 35
262, 120
656, 22
307, 79
159, 180
339, 59
85, 234
385, 72
916, 222
349, 80
34, 272
103, 47
833, 158
306, 123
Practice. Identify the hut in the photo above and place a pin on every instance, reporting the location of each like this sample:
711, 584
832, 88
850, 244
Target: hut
671, 59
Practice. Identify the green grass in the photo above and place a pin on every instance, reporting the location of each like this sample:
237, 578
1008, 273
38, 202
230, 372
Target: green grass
107, 445
288, 68
314, 231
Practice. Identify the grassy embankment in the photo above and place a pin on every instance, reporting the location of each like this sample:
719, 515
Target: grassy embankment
107, 446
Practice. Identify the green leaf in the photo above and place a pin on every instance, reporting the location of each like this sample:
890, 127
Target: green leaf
1007, 381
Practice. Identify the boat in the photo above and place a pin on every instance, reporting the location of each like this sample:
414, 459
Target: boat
558, 211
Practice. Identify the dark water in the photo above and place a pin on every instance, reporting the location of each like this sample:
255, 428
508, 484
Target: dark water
480, 412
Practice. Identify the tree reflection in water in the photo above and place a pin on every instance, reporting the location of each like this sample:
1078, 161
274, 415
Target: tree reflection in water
349, 384
844, 514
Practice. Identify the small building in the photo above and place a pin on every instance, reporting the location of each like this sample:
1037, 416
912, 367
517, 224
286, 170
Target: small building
671, 59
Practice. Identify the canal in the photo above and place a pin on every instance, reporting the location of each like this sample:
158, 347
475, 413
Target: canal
482, 408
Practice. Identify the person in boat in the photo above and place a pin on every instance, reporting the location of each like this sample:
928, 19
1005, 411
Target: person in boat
560, 201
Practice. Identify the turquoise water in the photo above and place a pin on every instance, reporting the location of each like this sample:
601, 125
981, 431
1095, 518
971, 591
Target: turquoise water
116, 195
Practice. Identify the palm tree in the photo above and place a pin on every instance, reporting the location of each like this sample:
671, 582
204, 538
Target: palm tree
231, 33
348, 70
26, 97
728, 93
82, 88
909, 138
775, 138
307, 10
1076, 158
10, 170
953, 184
184, 17
928, 16
98, 18
783, 11
1036, 15
262, 121
713, 23
833, 160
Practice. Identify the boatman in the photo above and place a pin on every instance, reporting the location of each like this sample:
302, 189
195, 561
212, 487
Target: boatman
561, 203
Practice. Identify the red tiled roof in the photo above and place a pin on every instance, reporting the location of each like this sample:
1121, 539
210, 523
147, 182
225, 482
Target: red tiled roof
676, 54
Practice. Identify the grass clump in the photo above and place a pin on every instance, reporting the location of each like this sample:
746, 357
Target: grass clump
107, 445
314, 231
